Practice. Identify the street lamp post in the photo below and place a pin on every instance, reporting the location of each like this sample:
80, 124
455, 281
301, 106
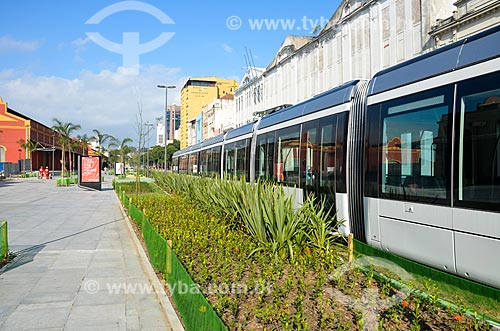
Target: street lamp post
166, 87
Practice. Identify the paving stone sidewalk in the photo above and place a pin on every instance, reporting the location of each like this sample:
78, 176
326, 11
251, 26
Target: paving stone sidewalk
77, 266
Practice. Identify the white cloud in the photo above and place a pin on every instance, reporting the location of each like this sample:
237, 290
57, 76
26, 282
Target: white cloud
8, 44
80, 42
80, 46
227, 48
107, 100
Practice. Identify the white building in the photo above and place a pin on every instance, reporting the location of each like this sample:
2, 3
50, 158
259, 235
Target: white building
160, 134
218, 116
361, 38
249, 96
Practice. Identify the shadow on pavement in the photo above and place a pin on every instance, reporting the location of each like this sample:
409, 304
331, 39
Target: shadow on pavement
27, 254
22, 259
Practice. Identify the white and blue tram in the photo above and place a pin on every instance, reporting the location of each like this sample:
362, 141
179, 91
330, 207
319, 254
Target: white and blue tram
411, 158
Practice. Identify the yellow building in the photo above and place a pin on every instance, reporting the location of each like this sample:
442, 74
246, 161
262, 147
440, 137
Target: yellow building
196, 93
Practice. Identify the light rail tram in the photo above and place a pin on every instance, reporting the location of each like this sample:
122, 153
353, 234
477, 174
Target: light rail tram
410, 158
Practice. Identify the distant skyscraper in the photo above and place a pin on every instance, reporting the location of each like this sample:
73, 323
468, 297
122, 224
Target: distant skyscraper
173, 120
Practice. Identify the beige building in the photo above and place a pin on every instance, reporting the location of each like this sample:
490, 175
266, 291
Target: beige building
218, 116
197, 93
469, 17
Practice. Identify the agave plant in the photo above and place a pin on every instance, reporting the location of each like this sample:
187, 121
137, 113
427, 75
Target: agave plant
263, 209
320, 226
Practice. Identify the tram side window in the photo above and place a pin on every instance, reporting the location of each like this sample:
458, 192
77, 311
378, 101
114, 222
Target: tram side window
209, 171
193, 163
204, 161
229, 161
242, 158
175, 164
341, 153
414, 153
260, 158
270, 142
310, 156
372, 149
183, 164
215, 165
479, 142
287, 156
327, 156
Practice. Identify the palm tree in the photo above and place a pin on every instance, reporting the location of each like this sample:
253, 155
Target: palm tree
84, 143
101, 139
65, 129
122, 147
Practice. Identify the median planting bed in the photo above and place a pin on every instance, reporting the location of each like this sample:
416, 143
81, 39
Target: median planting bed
266, 267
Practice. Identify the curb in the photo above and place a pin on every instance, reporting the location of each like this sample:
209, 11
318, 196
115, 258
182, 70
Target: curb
168, 309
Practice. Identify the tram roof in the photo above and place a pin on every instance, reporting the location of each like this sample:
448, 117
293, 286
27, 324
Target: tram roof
330, 98
244, 129
213, 141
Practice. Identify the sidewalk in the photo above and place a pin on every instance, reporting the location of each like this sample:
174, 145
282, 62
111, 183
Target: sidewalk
77, 266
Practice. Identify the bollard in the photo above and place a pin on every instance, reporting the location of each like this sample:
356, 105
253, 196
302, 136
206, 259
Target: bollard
350, 246
5, 239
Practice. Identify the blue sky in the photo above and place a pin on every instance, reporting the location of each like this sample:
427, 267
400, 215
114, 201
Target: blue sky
50, 67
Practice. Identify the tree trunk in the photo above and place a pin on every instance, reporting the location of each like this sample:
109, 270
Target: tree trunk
63, 159
70, 162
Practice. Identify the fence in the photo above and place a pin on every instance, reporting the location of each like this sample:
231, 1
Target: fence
194, 308
4, 242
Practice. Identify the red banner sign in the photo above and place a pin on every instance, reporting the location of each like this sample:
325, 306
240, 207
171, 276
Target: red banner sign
90, 169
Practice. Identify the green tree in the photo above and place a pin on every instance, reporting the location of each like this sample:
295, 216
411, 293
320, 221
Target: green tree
65, 129
177, 144
157, 153
84, 143
122, 148
101, 138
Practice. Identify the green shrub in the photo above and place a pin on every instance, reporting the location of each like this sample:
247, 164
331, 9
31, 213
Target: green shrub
145, 187
263, 209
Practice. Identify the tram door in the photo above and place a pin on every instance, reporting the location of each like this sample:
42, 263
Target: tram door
318, 160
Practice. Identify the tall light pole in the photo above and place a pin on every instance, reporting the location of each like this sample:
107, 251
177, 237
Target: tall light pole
166, 87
